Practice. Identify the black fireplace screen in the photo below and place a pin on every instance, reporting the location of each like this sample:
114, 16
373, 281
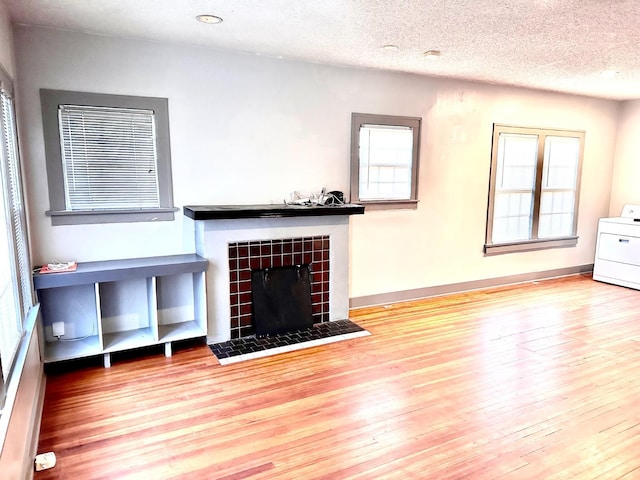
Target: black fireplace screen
281, 299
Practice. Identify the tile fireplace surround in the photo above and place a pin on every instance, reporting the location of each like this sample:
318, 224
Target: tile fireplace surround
236, 239
254, 255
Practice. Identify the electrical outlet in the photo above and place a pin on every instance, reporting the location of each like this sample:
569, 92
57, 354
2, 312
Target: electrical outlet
57, 329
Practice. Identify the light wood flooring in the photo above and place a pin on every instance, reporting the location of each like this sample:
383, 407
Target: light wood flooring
534, 381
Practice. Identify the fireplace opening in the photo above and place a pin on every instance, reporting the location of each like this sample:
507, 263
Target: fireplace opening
281, 298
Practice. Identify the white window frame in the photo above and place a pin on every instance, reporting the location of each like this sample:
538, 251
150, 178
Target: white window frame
60, 212
360, 120
17, 317
534, 242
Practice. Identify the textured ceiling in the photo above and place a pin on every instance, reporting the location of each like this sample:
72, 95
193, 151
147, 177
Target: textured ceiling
560, 45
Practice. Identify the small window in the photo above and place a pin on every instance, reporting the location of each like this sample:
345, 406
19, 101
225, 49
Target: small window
384, 160
533, 197
108, 158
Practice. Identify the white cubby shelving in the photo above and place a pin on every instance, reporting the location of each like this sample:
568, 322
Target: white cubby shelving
114, 305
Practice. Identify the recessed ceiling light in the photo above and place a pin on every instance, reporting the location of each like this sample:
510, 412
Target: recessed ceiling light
432, 53
390, 48
210, 19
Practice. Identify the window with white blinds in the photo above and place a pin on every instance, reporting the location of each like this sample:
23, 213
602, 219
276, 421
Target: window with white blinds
109, 158
534, 189
15, 271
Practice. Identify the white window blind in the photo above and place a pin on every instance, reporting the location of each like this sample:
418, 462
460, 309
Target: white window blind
386, 159
10, 325
109, 158
15, 274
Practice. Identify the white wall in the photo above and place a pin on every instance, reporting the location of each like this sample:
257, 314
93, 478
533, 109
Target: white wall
624, 188
445, 236
6, 41
248, 129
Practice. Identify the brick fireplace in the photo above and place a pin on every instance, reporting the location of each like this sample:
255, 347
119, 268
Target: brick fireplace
237, 239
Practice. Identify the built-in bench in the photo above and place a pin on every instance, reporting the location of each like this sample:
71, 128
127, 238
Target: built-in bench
108, 306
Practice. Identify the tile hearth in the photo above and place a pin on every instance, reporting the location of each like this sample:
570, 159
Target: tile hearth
247, 348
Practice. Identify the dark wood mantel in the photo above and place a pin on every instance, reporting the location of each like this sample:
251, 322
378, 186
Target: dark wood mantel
227, 212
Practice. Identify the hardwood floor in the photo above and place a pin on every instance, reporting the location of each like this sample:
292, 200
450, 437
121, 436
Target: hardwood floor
535, 381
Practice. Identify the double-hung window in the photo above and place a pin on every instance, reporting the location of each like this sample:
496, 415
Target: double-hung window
15, 271
108, 157
384, 160
534, 189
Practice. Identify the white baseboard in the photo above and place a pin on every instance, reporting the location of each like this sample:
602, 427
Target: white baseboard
36, 420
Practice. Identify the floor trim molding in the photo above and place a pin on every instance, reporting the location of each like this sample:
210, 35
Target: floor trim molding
417, 293
36, 420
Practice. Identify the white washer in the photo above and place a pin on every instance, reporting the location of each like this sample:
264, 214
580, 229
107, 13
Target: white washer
618, 249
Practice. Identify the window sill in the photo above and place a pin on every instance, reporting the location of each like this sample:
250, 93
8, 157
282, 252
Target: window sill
388, 204
78, 217
530, 245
